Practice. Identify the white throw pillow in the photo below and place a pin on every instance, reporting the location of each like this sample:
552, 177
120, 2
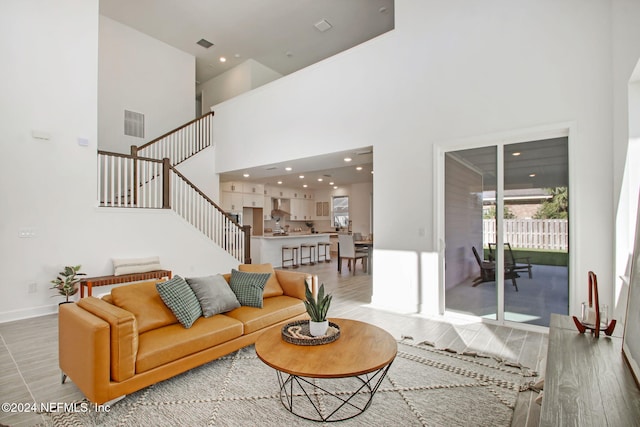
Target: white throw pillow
135, 265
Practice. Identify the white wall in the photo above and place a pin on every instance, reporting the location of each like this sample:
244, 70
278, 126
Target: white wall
463, 223
449, 70
248, 75
50, 84
139, 73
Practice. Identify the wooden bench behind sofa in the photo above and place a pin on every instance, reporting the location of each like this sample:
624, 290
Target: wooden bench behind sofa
90, 282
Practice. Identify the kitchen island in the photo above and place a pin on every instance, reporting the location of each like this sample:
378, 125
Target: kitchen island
268, 248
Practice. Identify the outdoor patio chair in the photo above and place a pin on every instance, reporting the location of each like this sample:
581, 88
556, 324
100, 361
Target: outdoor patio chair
516, 264
488, 271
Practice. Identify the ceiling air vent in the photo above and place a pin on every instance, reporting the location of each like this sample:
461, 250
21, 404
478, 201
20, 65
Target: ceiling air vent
204, 43
133, 124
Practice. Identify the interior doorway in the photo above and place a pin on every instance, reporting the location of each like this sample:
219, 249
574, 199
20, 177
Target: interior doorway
506, 231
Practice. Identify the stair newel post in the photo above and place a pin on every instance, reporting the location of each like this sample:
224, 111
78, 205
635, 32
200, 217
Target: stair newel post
166, 168
134, 180
246, 229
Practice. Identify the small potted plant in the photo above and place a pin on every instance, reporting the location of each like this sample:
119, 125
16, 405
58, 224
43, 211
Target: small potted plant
67, 282
317, 309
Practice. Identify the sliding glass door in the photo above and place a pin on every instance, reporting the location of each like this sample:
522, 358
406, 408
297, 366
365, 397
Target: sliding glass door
506, 231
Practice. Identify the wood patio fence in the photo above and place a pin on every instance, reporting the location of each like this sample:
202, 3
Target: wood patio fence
552, 234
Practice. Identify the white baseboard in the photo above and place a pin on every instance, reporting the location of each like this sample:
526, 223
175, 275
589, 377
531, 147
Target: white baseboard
10, 316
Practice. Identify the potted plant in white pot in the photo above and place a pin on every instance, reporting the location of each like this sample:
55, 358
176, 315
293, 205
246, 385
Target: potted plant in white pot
67, 281
317, 309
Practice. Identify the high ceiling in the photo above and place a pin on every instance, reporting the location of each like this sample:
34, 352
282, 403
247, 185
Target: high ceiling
280, 34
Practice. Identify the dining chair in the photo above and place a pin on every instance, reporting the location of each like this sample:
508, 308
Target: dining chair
348, 251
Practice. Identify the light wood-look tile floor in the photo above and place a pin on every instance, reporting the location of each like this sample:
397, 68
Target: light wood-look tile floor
29, 348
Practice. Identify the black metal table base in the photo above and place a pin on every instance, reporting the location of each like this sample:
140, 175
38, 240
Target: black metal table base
326, 399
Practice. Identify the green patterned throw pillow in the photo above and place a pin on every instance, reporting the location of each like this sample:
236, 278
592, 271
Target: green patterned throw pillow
248, 287
179, 297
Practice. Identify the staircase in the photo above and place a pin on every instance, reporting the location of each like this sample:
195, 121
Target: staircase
147, 179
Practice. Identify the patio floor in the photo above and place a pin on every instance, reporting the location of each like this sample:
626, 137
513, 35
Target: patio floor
547, 292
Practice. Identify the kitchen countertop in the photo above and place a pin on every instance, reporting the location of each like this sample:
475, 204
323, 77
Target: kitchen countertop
290, 236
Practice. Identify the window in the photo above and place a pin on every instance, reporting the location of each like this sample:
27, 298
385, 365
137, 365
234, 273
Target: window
341, 211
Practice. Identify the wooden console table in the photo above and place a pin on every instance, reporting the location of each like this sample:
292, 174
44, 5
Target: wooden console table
587, 381
90, 282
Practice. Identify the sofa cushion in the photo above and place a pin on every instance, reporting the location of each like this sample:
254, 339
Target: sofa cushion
272, 288
135, 265
142, 299
179, 297
214, 294
167, 344
248, 287
274, 310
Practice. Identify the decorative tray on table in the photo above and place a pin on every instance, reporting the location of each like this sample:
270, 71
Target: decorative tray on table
298, 333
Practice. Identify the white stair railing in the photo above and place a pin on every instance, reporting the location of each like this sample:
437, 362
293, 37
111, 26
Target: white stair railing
128, 181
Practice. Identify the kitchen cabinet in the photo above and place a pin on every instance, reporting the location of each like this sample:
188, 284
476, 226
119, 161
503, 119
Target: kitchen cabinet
234, 187
252, 200
301, 210
251, 188
232, 202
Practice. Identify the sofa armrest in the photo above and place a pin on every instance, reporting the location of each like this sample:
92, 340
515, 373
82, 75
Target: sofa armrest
83, 351
292, 283
123, 336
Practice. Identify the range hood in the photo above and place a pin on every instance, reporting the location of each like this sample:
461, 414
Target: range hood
278, 209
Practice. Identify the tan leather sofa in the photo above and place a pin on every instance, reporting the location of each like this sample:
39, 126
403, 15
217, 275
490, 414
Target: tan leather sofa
109, 352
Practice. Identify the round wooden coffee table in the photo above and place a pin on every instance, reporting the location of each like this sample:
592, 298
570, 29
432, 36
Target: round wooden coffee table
330, 382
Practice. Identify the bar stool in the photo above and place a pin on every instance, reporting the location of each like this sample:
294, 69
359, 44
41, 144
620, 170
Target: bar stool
324, 250
293, 254
311, 253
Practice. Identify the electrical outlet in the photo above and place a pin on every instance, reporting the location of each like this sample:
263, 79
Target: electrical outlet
33, 288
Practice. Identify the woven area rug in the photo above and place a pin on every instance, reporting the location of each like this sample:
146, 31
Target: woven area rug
424, 387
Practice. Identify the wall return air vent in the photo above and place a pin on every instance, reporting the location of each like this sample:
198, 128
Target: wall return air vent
133, 124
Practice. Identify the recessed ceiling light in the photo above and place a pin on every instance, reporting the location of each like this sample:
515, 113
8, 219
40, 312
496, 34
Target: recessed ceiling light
280, 182
359, 168
223, 59
335, 187
319, 179
516, 153
347, 159
371, 172
304, 185
246, 175
331, 183
204, 43
288, 168
531, 175
301, 176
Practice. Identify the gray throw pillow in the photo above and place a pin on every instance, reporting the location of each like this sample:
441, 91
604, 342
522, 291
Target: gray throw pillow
248, 287
178, 296
214, 294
